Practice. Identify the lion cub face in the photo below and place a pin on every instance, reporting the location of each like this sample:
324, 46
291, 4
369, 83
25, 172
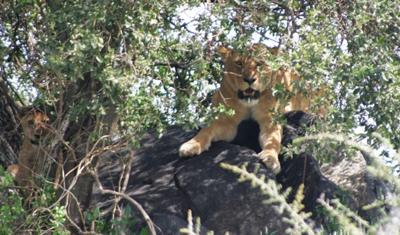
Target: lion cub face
246, 76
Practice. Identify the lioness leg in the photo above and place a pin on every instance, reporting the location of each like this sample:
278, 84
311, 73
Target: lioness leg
270, 142
220, 129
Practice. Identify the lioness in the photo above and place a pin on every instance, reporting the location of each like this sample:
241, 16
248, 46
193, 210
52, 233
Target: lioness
247, 88
31, 155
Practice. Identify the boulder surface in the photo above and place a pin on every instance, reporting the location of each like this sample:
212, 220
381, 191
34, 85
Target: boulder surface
168, 186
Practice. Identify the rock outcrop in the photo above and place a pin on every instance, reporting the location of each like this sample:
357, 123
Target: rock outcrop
168, 186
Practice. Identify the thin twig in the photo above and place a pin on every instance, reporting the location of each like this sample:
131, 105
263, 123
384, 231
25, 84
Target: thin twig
125, 196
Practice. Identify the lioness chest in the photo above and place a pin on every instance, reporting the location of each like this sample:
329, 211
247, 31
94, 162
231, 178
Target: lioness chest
259, 110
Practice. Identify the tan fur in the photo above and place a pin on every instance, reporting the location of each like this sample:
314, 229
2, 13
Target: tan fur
237, 68
31, 156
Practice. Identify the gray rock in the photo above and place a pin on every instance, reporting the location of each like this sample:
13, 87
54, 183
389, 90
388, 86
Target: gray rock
351, 175
168, 186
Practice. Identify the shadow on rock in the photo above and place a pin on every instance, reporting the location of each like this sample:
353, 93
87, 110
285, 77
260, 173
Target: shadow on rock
168, 186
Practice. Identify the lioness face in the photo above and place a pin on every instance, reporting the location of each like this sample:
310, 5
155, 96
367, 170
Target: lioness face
34, 125
243, 73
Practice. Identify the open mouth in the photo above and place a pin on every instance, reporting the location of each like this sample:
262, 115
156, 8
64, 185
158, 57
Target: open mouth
248, 94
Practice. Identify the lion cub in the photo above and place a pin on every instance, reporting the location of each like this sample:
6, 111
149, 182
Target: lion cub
31, 155
247, 88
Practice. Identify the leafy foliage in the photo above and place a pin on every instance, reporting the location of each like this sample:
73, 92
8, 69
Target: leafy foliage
45, 214
122, 67
163, 60
114, 226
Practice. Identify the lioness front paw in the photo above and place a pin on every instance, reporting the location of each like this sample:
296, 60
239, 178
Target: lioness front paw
190, 148
270, 161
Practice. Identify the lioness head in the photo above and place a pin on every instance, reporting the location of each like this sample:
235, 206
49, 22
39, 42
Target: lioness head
34, 124
247, 76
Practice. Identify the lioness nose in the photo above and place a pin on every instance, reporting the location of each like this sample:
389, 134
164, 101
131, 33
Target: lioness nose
249, 80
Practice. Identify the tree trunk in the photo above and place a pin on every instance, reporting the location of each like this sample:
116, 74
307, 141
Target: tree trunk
10, 133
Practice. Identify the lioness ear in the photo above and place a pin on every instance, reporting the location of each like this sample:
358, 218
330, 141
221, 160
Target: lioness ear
224, 51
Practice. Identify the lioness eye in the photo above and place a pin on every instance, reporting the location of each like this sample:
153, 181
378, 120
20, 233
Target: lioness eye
239, 63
